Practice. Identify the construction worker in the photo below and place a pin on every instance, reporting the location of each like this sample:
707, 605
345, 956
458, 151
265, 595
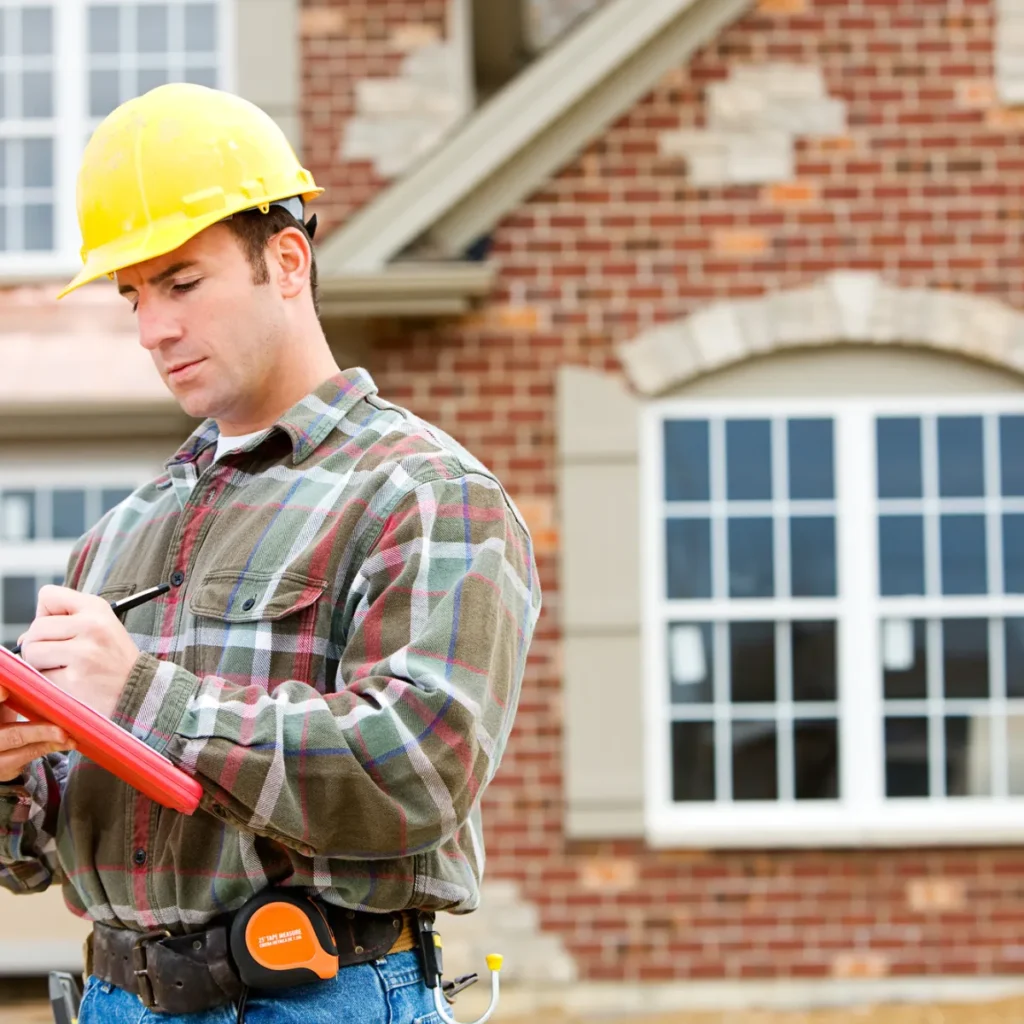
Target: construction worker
339, 658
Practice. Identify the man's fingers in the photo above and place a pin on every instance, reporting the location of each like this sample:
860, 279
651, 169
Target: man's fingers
24, 734
53, 627
3, 695
46, 655
63, 601
12, 765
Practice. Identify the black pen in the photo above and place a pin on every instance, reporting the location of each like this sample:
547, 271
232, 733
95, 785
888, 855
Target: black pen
127, 603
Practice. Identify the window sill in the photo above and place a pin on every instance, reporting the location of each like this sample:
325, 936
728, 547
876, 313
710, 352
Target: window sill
910, 823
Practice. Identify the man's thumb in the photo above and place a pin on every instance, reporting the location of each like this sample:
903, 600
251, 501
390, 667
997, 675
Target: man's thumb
59, 601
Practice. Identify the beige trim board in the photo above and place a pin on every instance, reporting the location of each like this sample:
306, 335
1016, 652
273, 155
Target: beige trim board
63, 421
528, 130
406, 290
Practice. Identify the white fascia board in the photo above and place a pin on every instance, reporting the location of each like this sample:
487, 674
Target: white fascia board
497, 132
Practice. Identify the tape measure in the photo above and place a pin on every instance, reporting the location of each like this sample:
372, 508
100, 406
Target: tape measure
280, 939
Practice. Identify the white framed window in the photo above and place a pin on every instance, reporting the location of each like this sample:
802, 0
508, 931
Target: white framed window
43, 511
834, 621
64, 65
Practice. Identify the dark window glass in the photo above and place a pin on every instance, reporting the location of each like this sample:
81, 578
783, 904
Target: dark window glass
899, 457
687, 466
693, 761
748, 446
816, 755
688, 543
906, 757
754, 761
752, 658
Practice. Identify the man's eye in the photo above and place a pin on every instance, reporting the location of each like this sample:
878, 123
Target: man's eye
187, 286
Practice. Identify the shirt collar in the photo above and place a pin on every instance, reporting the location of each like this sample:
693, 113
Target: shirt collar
307, 423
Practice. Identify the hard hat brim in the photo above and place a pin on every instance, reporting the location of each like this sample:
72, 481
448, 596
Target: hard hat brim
156, 239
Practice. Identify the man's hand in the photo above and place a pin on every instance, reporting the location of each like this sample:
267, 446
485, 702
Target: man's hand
79, 644
22, 742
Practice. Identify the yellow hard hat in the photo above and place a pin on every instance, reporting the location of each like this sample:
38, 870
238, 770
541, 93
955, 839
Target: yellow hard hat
168, 164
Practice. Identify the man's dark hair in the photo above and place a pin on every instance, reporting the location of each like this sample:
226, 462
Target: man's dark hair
254, 229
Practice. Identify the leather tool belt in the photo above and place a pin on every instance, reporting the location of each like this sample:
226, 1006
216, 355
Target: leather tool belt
195, 972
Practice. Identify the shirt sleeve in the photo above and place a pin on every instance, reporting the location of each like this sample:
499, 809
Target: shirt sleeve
28, 825
437, 624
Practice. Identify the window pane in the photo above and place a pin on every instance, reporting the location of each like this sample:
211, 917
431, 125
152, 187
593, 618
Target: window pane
693, 761
814, 661
963, 555
110, 497
18, 516
200, 28
812, 543
36, 31
3, 159
906, 757
152, 28
68, 514
19, 597
688, 543
104, 92
961, 457
968, 756
691, 663
687, 476
201, 75
3, 228
899, 458
1013, 554
104, 29
37, 158
150, 78
1011, 444
965, 657
751, 558
1015, 659
816, 753
901, 555
752, 657
38, 227
904, 660
748, 456
754, 761
811, 472
37, 94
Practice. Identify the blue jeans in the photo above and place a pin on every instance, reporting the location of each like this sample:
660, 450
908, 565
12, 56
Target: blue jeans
388, 991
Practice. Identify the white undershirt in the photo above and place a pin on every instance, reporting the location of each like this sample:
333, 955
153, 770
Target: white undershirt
227, 444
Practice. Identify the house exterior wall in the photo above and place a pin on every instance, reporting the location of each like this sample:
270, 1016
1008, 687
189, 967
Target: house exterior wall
922, 183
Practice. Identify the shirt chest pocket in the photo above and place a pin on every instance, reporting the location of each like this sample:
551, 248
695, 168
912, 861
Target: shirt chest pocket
258, 626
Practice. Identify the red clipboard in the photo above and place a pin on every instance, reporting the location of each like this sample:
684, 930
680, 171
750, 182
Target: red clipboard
33, 695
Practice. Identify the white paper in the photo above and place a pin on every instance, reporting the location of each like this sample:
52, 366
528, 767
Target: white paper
898, 645
689, 661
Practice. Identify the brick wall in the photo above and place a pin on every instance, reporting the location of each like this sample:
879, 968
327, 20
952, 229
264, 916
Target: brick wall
925, 185
345, 45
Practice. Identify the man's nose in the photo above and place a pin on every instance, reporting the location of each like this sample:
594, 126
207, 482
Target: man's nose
157, 323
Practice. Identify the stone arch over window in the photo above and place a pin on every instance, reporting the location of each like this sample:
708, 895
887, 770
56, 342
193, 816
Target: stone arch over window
843, 308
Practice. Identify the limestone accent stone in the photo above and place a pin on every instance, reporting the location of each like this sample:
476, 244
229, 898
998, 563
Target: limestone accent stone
753, 120
1009, 46
398, 120
505, 923
845, 307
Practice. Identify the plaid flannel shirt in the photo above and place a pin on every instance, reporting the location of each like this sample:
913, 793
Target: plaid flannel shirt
338, 663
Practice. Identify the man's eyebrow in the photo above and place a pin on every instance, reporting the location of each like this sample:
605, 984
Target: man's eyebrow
173, 269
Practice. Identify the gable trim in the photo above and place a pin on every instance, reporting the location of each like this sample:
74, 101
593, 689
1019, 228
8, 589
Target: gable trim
846, 307
526, 132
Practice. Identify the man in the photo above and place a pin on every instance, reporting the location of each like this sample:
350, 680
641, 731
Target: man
339, 658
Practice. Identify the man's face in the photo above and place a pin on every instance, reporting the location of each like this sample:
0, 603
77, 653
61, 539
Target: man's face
212, 333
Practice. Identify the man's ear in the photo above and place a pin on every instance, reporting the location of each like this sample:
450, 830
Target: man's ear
290, 255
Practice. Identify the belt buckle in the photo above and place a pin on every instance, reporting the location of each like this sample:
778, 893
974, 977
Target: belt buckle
140, 968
